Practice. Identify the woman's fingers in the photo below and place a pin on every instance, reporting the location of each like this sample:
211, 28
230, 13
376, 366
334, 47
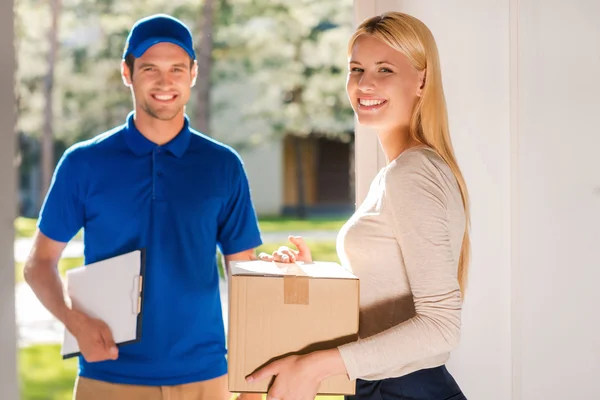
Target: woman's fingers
287, 254
265, 257
303, 250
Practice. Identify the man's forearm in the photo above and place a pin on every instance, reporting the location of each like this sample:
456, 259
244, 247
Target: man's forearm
45, 281
248, 255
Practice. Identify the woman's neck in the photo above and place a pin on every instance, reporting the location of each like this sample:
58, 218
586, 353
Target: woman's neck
395, 141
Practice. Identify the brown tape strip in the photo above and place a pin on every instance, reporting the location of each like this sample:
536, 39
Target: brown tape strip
295, 284
295, 289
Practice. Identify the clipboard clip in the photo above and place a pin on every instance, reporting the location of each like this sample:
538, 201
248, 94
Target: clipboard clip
136, 295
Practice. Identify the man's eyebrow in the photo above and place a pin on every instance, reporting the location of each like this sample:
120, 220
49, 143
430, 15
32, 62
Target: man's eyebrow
145, 64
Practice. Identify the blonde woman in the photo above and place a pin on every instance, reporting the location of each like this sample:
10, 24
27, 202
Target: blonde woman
407, 242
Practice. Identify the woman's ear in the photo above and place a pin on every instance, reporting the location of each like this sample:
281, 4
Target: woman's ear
422, 79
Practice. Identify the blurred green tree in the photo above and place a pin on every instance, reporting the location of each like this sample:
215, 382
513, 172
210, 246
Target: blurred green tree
267, 68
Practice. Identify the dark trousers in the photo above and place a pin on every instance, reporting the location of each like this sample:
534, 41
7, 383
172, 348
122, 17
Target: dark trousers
426, 384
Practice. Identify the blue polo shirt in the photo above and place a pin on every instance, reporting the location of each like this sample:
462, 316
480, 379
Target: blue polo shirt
179, 201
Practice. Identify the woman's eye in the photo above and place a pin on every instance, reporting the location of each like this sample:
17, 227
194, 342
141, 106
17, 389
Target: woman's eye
355, 69
385, 70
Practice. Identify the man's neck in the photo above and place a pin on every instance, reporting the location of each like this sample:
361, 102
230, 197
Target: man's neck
158, 131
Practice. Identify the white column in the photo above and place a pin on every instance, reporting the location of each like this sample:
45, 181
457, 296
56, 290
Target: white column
369, 157
8, 374
558, 198
521, 80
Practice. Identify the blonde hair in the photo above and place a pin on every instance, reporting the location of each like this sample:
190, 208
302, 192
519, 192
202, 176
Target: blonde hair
429, 122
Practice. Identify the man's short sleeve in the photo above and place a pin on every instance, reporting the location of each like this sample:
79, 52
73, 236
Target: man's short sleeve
238, 225
62, 213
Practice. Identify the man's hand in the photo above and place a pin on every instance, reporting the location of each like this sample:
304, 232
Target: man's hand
93, 336
286, 255
41, 273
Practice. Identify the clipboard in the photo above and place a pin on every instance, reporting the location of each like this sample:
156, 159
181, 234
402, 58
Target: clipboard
110, 290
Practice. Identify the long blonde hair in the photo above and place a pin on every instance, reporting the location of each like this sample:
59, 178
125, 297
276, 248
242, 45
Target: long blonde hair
429, 122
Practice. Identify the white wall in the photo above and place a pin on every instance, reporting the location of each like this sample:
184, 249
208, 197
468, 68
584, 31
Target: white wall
522, 83
262, 156
559, 198
264, 166
8, 375
474, 42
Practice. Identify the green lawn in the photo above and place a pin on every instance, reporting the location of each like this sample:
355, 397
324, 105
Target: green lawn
25, 227
322, 251
64, 265
285, 224
44, 375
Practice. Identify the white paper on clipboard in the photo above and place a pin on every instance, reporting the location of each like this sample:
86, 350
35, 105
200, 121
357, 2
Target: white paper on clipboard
109, 290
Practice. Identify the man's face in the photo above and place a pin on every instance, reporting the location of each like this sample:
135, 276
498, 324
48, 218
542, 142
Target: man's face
162, 80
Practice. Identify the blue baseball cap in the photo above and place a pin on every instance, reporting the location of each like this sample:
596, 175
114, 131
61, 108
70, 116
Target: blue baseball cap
158, 28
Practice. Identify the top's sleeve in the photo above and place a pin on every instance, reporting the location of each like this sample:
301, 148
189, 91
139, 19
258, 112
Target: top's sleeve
62, 213
417, 196
238, 225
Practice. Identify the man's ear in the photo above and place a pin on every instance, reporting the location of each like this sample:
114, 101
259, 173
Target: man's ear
125, 74
194, 73
422, 82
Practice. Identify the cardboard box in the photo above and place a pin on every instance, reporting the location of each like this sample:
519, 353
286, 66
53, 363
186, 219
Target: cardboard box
281, 309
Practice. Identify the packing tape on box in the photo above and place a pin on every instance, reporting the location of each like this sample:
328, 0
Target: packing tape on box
295, 284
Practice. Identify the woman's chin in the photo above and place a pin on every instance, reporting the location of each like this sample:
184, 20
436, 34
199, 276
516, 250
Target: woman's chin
370, 121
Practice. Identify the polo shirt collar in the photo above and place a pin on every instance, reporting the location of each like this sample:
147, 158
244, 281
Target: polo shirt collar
140, 145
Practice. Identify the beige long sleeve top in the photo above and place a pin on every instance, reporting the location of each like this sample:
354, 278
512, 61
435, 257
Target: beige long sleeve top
404, 243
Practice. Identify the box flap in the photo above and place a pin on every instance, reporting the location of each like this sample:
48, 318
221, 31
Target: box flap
327, 270
317, 269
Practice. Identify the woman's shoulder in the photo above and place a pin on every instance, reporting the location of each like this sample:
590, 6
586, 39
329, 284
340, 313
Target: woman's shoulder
421, 163
420, 173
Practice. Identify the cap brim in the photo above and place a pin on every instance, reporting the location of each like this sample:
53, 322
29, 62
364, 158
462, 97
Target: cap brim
146, 44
